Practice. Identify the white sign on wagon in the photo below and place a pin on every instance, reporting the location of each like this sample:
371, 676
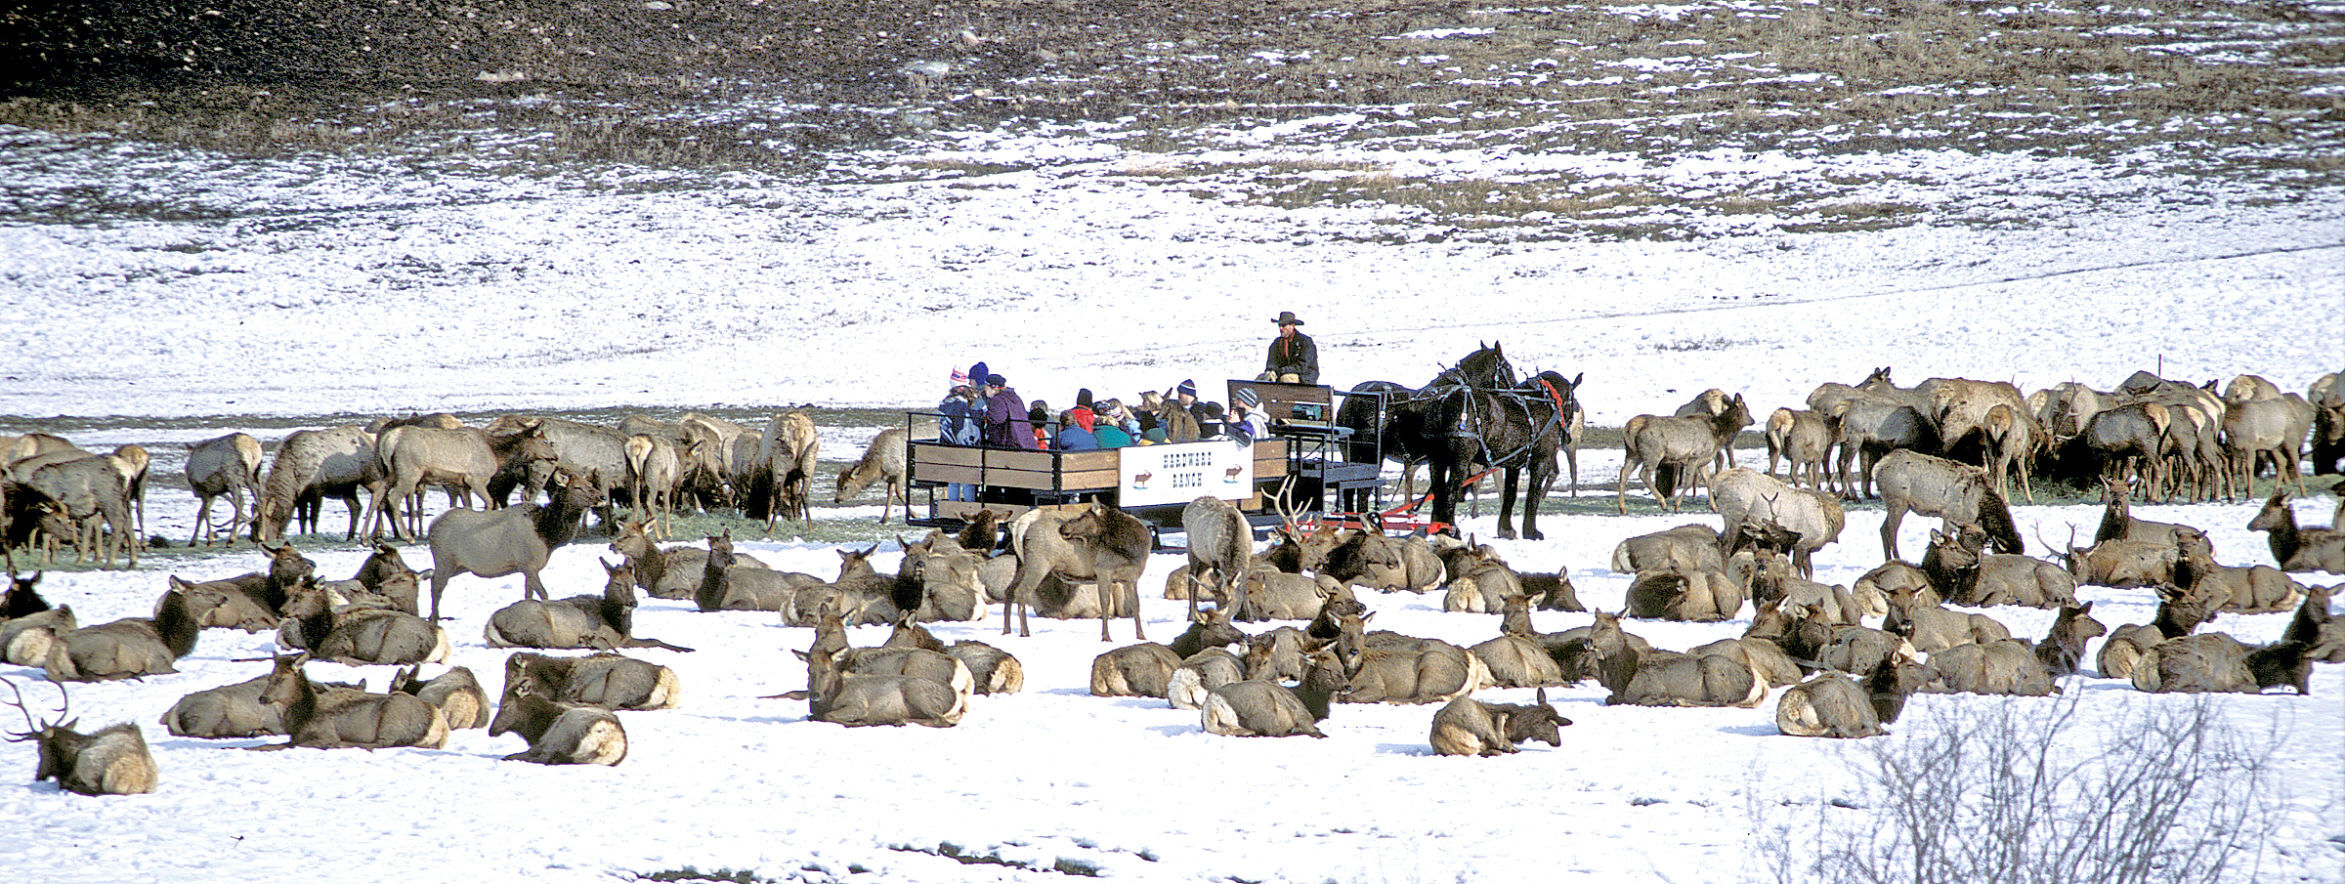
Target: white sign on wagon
1157, 475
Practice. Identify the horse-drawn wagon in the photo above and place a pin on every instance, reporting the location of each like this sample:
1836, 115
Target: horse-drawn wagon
1291, 470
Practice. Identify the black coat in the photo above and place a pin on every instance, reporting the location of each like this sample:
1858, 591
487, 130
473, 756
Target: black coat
1296, 355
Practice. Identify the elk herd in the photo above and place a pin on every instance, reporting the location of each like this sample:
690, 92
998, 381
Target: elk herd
1840, 660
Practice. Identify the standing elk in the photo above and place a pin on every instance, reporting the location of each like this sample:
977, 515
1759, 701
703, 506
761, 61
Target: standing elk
1102, 544
462, 460
311, 465
1472, 727
1667, 450
226, 465
86, 490
112, 761
882, 461
2274, 428
1803, 439
1959, 494
655, 470
597, 452
2299, 549
785, 456
1751, 502
511, 540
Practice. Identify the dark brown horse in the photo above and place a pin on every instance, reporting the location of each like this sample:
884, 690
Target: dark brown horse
1475, 412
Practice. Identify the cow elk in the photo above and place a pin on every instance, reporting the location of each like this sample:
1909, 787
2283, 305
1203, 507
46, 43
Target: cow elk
1751, 502
1668, 678
28, 625
558, 733
1667, 451
1102, 544
1957, 493
1146, 669
610, 681
127, 648
1475, 728
2299, 549
1804, 440
1833, 705
2218, 663
839, 697
1259, 707
882, 461
1220, 547
359, 636
601, 622
514, 540
319, 719
456, 693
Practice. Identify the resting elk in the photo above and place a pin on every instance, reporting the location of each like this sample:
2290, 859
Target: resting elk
1472, 727
558, 733
112, 761
316, 719
2299, 549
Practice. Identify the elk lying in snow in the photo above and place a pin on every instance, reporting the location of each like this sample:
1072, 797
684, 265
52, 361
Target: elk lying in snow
127, 648
599, 622
2248, 589
558, 733
2011, 666
610, 681
947, 577
1771, 580
1872, 590
2123, 563
883, 459
1418, 671
1672, 594
1667, 450
1833, 705
456, 693
1102, 544
1965, 575
2118, 522
2214, 662
1931, 628
2299, 549
317, 719
1668, 678
512, 540
224, 604
359, 636
1957, 493
27, 624
2317, 629
1146, 669
839, 697
1472, 727
1686, 546
112, 761
991, 669
1761, 647
1263, 708
726, 584
2062, 650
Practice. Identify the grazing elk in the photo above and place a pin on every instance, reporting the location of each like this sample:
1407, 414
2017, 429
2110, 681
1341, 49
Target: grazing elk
511, 540
1871, 428
456, 693
1959, 494
782, 486
1751, 502
1833, 705
558, 733
2130, 438
2214, 662
86, 491
1220, 547
359, 636
1472, 727
882, 460
655, 470
1260, 707
112, 761
127, 648
316, 719
1102, 544
2011, 436
226, 465
1666, 450
461, 459
599, 622
607, 680
1804, 440
2299, 549
311, 465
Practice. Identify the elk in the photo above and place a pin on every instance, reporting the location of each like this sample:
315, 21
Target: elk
1424, 671
1201, 672
511, 540
2299, 549
86, 490
1674, 593
785, 457
1101, 544
1472, 727
28, 625
655, 470
1930, 628
2214, 662
1871, 428
2012, 437
128, 648
1963, 574
2314, 627
882, 460
1665, 450
1833, 705
2179, 614
2123, 563
1259, 707
2118, 522
1750, 501
2248, 589
1804, 440
111, 761
596, 452
1653, 677
456, 693
607, 680
311, 465
224, 604
1483, 587
2274, 428
1932, 486
1771, 580
2063, 648
359, 636
1518, 658
2130, 437
225, 465
317, 719
558, 733
1686, 546
947, 578
1146, 669
600, 622
839, 697
462, 459
230, 711
1220, 546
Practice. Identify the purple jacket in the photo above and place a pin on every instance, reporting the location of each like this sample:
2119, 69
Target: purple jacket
1005, 421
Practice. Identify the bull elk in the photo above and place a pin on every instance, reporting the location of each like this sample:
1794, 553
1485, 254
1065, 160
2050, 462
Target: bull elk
111, 761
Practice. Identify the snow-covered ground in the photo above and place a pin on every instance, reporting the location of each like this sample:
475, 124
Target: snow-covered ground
321, 287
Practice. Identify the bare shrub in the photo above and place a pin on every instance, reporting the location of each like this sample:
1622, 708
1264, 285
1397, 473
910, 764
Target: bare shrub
2029, 791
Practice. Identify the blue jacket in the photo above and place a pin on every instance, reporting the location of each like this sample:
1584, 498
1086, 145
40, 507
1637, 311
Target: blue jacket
958, 421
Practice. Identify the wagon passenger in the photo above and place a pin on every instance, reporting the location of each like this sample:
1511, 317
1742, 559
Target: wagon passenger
959, 419
1006, 425
1075, 431
1246, 422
